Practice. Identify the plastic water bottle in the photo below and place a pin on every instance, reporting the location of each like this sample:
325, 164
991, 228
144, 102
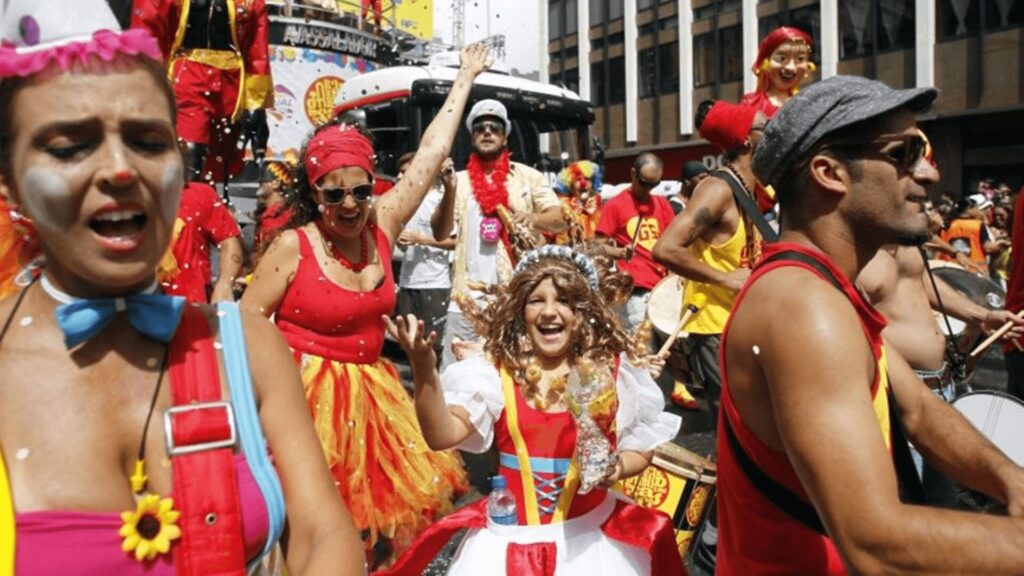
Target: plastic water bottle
501, 504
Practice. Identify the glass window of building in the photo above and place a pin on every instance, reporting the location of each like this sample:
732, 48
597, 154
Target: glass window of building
615, 9
668, 72
597, 11
570, 17
726, 43
644, 4
704, 66
555, 23
617, 80
646, 75
597, 83
861, 22
957, 18
572, 80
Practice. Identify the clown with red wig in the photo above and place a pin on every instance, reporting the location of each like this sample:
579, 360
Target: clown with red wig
579, 188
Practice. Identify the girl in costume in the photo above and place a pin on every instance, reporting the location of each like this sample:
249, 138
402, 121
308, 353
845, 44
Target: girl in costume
783, 64
327, 282
550, 320
95, 363
579, 186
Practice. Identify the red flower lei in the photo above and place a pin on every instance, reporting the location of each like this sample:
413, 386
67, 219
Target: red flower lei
489, 195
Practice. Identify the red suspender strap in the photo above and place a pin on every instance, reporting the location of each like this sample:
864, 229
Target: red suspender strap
200, 435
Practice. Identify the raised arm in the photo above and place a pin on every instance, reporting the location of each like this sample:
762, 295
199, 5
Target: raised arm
442, 222
709, 203
397, 207
273, 274
443, 426
826, 424
321, 538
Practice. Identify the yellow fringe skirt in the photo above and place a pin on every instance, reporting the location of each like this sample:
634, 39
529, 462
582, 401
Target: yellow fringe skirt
392, 483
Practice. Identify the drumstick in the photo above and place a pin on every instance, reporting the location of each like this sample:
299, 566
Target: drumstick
995, 336
698, 302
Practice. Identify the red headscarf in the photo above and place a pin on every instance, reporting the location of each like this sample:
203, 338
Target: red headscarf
727, 125
334, 147
777, 38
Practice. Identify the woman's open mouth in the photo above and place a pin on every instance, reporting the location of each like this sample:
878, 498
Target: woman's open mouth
119, 229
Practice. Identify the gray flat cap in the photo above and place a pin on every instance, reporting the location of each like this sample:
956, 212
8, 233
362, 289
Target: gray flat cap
823, 108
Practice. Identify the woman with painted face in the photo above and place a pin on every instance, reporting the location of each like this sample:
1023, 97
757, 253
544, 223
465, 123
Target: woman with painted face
550, 334
327, 282
135, 430
783, 64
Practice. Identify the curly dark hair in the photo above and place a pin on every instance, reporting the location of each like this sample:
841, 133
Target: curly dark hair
596, 332
300, 198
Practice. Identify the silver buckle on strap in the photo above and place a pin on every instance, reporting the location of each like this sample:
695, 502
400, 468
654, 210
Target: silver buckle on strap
174, 450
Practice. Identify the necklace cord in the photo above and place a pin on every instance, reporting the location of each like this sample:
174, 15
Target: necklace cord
152, 406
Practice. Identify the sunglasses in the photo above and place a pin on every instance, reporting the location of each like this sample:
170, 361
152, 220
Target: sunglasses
903, 150
645, 184
360, 192
493, 127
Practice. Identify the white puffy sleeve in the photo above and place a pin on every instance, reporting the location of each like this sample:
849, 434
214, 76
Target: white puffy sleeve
474, 384
642, 421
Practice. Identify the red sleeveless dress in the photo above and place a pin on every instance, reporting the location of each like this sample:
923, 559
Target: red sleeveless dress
393, 484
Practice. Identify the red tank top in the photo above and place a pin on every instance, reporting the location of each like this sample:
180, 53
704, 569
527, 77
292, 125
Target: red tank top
755, 536
322, 318
547, 435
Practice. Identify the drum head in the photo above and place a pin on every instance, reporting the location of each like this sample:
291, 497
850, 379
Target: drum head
999, 417
981, 290
665, 306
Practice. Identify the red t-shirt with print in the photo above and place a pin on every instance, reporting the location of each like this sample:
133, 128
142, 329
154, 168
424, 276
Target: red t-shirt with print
620, 218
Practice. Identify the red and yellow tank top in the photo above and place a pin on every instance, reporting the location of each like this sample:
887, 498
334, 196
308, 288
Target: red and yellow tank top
755, 535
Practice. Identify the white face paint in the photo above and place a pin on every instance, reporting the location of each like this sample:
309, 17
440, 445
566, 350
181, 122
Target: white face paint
47, 199
170, 193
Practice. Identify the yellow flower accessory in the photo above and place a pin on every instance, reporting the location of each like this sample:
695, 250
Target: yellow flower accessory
150, 528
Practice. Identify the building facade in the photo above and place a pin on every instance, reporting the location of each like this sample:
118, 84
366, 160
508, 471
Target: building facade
647, 64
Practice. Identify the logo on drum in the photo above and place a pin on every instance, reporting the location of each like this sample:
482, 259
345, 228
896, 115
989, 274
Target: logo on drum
695, 507
650, 489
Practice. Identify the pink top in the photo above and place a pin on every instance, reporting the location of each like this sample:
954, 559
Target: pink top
58, 542
321, 318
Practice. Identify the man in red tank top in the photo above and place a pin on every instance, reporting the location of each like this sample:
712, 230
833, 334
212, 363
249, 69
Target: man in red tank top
810, 438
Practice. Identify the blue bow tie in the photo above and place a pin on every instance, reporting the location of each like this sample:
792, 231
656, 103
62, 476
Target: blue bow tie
154, 315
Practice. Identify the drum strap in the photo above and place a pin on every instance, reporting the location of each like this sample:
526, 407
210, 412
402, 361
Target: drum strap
744, 201
787, 500
953, 355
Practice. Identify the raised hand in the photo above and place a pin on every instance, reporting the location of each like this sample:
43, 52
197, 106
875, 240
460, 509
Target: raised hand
409, 332
475, 59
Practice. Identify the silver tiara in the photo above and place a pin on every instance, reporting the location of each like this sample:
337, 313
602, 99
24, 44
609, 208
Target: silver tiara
585, 264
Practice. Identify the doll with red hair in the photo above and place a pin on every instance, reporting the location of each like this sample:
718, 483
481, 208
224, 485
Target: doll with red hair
783, 64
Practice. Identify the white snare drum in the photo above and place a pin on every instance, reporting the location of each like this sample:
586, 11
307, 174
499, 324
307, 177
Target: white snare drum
999, 417
665, 305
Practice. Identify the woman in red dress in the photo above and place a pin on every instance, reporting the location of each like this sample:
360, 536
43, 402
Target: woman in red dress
327, 282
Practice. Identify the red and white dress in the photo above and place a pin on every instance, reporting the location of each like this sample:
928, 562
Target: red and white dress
559, 531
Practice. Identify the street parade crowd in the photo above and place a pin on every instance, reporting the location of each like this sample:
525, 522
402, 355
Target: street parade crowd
163, 411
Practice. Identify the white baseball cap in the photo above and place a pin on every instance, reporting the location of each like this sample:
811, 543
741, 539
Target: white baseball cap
488, 108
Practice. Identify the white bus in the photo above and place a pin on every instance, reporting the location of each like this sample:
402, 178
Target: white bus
399, 102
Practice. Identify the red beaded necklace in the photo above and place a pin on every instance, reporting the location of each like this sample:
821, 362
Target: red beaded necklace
489, 194
364, 248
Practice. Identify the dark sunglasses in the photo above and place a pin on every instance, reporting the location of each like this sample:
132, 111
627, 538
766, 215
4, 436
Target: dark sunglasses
494, 127
645, 184
361, 193
909, 149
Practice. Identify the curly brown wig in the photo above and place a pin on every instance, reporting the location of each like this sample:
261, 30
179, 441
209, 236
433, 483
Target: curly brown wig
596, 332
